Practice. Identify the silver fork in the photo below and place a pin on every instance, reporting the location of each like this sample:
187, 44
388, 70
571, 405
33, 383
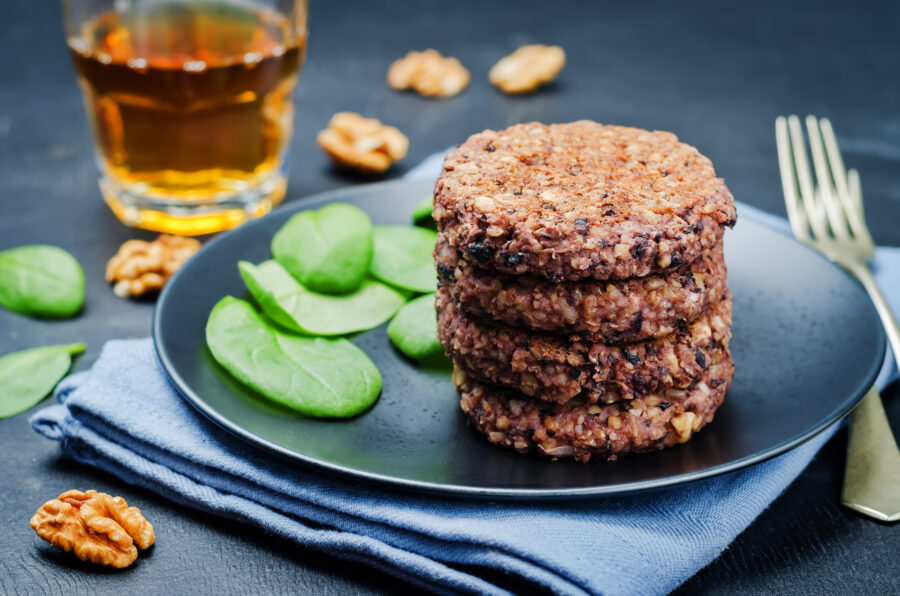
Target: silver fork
828, 216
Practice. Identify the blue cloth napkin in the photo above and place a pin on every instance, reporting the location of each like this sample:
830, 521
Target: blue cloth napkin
123, 417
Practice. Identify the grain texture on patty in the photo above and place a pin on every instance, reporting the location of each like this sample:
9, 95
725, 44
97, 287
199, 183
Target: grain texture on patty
614, 310
582, 431
557, 369
580, 200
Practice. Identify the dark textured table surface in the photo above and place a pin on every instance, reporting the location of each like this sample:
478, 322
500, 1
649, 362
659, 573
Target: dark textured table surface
717, 74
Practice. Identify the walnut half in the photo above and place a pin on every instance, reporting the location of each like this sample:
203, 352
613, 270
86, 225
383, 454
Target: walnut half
141, 267
527, 68
95, 526
364, 144
429, 74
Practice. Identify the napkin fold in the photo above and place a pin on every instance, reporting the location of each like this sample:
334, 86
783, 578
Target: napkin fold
138, 428
123, 416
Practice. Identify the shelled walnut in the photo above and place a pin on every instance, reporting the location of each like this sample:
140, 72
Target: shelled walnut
141, 267
527, 68
363, 144
96, 527
428, 73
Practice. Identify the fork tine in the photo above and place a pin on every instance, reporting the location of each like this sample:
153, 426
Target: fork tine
804, 178
799, 224
837, 219
851, 205
856, 190
856, 195
834, 157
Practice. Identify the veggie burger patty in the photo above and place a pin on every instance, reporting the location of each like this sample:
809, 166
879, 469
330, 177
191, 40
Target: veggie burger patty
556, 369
580, 200
582, 431
615, 310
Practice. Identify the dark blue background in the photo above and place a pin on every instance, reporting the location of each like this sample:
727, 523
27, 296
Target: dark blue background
715, 73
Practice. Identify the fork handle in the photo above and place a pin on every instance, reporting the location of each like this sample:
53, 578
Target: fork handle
864, 275
872, 470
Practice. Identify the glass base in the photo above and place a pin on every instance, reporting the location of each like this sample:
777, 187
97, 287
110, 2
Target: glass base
194, 217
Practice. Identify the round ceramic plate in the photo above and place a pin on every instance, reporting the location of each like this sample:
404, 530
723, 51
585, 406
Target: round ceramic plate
807, 345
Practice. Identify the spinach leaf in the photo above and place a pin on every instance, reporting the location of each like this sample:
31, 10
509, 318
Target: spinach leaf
312, 375
327, 250
403, 257
41, 280
27, 377
414, 328
297, 308
422, 213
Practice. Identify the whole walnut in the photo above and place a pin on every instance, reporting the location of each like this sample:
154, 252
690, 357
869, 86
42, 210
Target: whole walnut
429, 74
363, 144
96, 527
527, 68
141, 267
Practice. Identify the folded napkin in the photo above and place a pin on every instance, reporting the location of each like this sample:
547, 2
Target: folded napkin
138, 428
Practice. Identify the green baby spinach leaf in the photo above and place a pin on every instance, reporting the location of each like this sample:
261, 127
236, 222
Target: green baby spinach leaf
27, 377
422, 213
403, 257
414, 328
327, 250
311, 375
297, 308
40, 280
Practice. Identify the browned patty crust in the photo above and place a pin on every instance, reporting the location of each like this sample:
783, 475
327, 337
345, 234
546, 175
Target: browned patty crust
613, 311
580, 200
557, 369
652, 422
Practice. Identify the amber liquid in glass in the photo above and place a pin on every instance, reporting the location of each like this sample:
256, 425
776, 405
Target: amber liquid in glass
191, 106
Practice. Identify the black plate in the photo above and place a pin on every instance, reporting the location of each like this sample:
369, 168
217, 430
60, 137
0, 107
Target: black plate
807, 345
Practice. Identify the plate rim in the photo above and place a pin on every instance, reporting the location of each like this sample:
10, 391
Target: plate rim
434, 488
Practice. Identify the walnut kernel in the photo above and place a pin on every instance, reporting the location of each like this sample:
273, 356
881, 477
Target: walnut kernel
527, 68
363, 144
429, 74
683, 424
141, 267
95, 526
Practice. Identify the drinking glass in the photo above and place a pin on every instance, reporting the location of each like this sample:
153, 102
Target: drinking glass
191, 105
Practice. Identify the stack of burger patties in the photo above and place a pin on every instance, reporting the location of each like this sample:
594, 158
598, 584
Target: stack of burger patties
583, 298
